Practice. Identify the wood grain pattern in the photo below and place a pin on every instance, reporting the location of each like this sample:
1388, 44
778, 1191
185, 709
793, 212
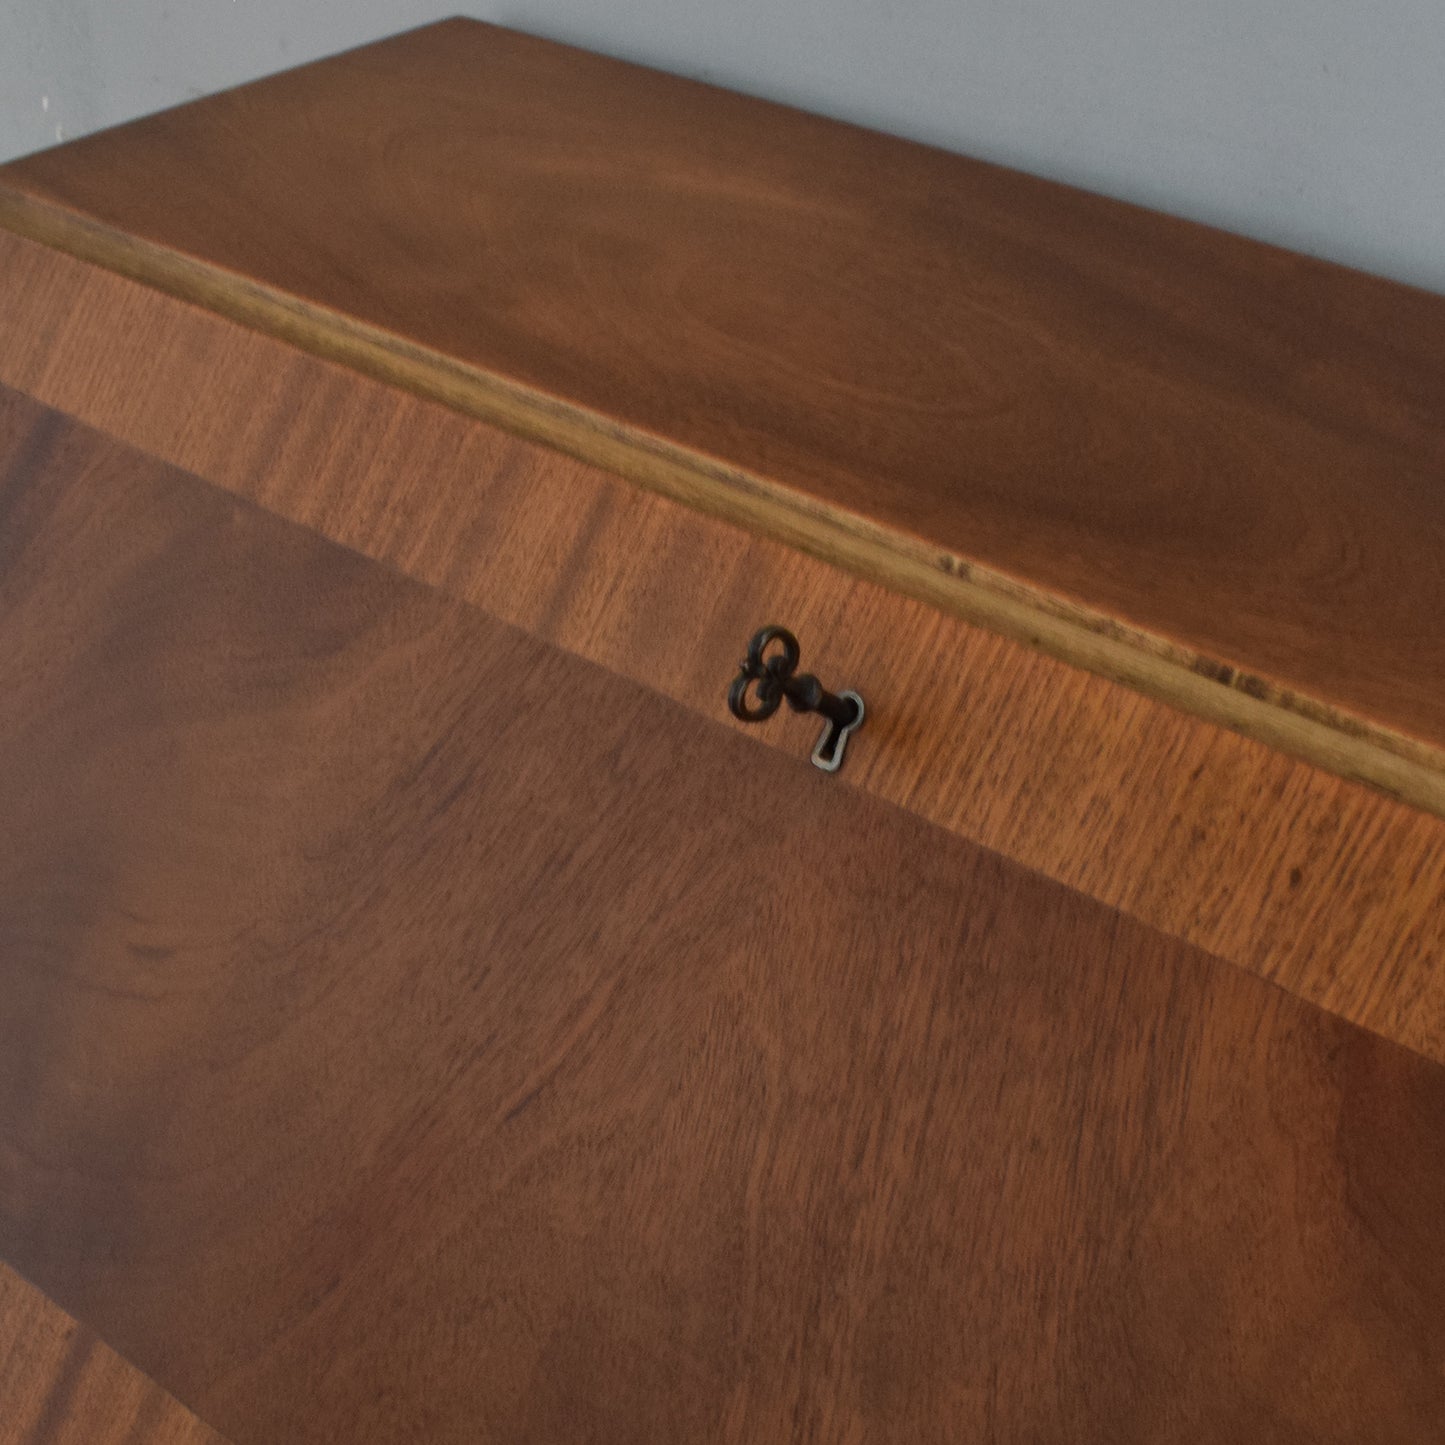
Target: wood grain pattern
392, 1053
1185, 460
59, 1385
1330, 890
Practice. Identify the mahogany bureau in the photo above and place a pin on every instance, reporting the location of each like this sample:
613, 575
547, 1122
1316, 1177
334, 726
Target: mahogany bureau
426, 1014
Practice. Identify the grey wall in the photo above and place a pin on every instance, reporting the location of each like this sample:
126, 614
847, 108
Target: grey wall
1317, 124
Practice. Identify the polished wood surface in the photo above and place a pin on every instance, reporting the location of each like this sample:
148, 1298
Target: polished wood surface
59, 1385
1182, 459
1327, 888
414, 1032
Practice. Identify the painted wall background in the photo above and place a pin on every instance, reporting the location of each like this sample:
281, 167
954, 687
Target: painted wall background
1316, 124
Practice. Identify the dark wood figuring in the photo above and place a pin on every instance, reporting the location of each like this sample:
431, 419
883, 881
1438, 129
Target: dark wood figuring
1164, 452
414, 1032
59, 1385
1327, 888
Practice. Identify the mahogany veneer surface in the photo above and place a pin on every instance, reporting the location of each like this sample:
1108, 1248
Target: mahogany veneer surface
1328, 888
1227, 455
416, 1033
59, 1385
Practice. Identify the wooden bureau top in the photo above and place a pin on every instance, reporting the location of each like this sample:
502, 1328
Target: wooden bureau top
1207, 467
